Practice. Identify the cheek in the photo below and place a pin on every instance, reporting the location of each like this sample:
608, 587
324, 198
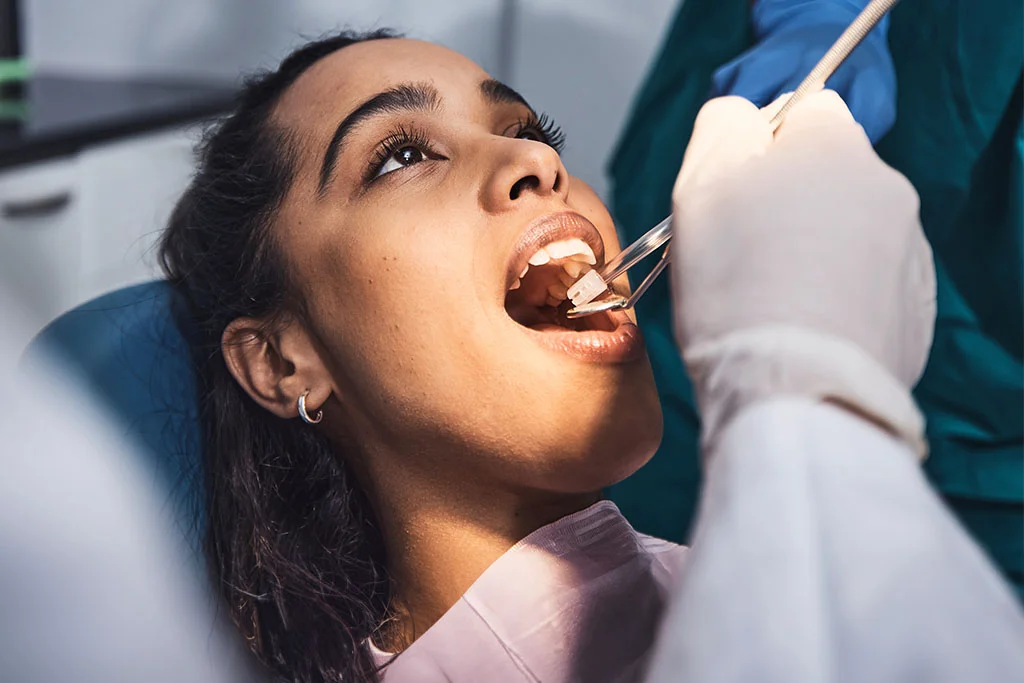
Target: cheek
583, 199
398, 313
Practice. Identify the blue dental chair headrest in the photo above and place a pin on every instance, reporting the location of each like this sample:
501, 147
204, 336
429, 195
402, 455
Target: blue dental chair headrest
129, 349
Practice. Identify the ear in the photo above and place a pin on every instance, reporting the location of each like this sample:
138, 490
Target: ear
276, 365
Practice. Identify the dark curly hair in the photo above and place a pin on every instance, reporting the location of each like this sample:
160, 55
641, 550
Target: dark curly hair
290, 538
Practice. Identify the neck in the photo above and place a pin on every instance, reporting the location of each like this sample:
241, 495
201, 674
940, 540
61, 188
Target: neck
438, 545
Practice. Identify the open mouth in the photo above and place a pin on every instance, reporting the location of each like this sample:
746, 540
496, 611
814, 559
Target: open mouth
539, 296
555, 253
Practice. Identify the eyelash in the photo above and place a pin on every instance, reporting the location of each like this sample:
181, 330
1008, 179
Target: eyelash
543, 126
549, 132
401, 137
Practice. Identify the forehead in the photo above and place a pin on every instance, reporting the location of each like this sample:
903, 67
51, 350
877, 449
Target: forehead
341, 81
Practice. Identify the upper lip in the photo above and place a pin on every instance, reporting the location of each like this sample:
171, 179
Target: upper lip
549, 228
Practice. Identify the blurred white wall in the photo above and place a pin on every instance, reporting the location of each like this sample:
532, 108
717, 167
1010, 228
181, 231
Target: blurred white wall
579, 60
220, 38
582, 62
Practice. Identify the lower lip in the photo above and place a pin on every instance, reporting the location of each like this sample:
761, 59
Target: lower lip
624, 344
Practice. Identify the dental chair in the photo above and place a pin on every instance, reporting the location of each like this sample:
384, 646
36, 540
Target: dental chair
128, 348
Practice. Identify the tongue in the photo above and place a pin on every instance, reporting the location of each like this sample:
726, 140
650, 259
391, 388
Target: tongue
551, 319
527, 305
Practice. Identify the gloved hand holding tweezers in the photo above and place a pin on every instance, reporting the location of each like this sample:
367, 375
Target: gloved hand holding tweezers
800, 267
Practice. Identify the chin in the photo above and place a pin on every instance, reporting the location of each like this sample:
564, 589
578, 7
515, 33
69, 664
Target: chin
637, 435
629, 430
616, 451
644, 445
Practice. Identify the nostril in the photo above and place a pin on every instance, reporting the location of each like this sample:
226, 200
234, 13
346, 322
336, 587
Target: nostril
530, 182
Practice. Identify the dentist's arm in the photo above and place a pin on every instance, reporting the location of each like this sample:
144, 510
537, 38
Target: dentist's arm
821, 555
804, 311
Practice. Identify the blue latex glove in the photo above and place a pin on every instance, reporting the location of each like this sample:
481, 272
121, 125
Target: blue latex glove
792, 35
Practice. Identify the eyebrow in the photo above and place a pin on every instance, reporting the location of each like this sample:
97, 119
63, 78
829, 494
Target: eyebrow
497, 92
406, 97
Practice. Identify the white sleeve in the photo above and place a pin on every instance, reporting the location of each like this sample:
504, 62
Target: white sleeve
822, 555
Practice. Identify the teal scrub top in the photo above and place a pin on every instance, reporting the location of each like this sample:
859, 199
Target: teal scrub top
958, 137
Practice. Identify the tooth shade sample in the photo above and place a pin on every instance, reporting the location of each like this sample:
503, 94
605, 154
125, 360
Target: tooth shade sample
588, 288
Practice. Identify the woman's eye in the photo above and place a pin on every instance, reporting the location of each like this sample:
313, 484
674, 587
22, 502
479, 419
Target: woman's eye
406, 156
544, 131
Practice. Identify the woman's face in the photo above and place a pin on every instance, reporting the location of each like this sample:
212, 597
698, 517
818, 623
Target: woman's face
423, 190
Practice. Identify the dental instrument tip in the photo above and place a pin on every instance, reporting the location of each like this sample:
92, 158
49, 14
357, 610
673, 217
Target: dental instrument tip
587, 288
614, 303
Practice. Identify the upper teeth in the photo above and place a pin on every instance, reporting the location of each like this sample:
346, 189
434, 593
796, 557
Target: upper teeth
574, 255
540, 258
574, 268
575, 249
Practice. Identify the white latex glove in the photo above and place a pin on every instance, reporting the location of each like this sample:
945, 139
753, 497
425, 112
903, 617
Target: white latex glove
799, 267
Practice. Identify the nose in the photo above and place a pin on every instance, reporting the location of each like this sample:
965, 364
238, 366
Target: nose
521, 169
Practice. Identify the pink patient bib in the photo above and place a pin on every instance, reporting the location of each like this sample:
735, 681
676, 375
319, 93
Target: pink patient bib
577, 600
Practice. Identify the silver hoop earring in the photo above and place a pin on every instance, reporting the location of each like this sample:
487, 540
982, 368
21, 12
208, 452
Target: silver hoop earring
304, 415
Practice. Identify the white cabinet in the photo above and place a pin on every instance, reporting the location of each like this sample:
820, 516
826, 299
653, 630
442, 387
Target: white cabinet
40, 233
76, 227
128, 190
